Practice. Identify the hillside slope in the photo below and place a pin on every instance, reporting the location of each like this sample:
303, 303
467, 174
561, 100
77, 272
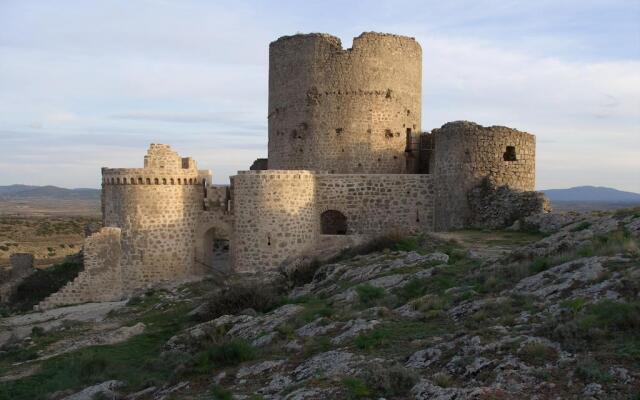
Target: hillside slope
20, 192
597, 194
466, 315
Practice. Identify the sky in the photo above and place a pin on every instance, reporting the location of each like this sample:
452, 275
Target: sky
86, 84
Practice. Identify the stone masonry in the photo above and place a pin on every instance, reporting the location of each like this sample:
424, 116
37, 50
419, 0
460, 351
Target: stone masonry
346, 159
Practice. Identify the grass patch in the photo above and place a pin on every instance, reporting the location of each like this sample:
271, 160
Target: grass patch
219, 393
227, 353
581, 226
136, 362
540, 264
590, 370
371, 340
356, 388
537, 354
369, 295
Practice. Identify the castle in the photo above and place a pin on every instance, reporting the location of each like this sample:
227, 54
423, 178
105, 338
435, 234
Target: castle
347, 158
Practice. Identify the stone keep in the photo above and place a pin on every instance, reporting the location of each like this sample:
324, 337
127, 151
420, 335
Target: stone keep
346, 162
343, 111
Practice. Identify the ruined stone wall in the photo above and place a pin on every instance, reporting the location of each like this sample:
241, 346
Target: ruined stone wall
466, 153
343, 111
379, 203
275, 216
21, 265
102, 277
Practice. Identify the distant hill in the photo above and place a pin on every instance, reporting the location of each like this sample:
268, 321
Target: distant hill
592, 194
26, 192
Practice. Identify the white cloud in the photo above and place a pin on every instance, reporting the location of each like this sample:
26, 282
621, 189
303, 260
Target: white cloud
82, 87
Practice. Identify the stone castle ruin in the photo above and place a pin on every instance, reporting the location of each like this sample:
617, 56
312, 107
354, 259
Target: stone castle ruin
347, 158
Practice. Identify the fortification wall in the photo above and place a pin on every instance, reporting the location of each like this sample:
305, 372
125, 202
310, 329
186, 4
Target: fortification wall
343, 111
466, 153
101, 279
379, 204
275, 217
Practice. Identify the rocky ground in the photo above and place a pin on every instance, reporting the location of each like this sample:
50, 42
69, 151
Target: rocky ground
549, 309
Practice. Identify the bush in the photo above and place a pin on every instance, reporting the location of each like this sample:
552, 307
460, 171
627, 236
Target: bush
591, 371
237, 297
414, 289
537, 354
581, 226
218, 393
356, 389
611, 316
369, 295
540, 264
443, 379
226, 353
42, 283
394, 380
373, 339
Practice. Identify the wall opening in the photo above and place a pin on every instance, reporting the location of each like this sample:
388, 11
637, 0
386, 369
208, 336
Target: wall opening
215, 251
333, 222
510, 154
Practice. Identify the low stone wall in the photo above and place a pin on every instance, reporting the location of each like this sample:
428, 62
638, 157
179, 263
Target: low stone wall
376, 204
101, 279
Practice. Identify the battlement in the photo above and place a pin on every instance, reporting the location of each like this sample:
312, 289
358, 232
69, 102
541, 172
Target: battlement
162, 166
161, 156
343, 110
362, 42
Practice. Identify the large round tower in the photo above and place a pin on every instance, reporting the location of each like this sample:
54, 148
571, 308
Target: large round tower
343, 111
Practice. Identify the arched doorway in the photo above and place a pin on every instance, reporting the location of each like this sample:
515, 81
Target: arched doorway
213, 247
216, 250
333, 222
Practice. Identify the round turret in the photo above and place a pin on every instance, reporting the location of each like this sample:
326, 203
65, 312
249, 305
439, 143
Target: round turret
467, 153
343, 111
156, 208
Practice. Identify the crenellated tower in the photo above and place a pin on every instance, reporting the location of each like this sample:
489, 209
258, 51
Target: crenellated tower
343, 110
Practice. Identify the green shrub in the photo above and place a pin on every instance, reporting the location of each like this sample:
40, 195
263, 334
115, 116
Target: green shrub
371, 340
581, 226
369, 295
540, 264
227, 353
390, 381
443, 379
316, 344
414, 289
590, 371
537, 354
356, 388
219, 393
610, 316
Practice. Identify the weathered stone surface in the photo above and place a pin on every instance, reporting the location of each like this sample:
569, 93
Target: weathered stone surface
328, 364
106, 390
499, 207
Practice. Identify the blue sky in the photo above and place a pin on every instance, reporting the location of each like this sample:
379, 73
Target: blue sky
86, 84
